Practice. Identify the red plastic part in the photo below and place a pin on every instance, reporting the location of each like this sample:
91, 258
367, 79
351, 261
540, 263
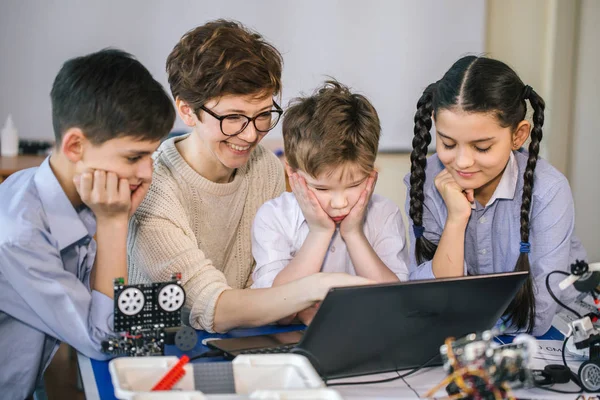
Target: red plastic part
173, 375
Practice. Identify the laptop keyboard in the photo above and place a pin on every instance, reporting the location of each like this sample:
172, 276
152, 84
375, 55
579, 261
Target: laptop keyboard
270, 350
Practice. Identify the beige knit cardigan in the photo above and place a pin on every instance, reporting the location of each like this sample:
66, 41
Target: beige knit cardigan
200, 228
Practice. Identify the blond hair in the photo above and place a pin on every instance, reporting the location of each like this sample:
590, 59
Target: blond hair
331, 128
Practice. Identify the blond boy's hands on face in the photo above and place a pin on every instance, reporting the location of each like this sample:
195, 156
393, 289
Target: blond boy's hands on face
458, 201
353, 223
317, 219
309, 259
307, 262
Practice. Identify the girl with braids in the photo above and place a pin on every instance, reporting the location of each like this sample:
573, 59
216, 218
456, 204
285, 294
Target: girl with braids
483, 204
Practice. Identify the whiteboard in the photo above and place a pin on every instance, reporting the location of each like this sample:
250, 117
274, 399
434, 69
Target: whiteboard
388, 50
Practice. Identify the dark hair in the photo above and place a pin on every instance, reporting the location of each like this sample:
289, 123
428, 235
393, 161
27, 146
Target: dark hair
109, 94
330, 128
480, 84
223, 57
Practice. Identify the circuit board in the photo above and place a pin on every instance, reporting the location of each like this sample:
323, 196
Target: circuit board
148, 305
142, 312
478, 368
144, 342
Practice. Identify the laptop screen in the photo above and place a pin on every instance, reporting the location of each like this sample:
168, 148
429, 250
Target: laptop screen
388, 327
378, 328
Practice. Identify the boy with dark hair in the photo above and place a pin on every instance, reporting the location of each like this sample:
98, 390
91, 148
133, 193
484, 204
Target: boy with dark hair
64, 224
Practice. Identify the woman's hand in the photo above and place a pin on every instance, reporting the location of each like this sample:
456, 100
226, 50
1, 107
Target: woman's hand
306, 316
328, 280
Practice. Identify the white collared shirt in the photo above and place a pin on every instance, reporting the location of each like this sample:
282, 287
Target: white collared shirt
508, 183
279, 230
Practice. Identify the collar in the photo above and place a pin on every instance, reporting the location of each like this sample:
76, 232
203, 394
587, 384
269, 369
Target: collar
67, 225
508, 183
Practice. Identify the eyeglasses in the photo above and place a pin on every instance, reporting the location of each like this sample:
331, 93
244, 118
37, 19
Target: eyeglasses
234, 124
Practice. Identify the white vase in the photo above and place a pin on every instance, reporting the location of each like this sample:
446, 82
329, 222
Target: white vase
9, 139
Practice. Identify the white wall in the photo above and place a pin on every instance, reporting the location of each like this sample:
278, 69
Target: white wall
585, 145
388, 49
553, 45
537, 38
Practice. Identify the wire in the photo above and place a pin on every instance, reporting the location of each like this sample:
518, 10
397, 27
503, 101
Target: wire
458, 379
209, 353
564, 347
412, 371
130, 336
554, 297
365, 382
573, 377
558, 391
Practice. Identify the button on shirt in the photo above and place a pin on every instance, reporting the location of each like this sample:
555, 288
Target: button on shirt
492, 237
46, 255
279, 230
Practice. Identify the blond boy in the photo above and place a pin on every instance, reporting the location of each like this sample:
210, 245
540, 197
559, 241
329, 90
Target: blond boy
331, 222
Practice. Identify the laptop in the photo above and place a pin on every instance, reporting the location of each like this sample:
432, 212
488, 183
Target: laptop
388, 327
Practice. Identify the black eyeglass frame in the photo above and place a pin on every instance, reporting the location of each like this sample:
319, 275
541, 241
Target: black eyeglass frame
221, 118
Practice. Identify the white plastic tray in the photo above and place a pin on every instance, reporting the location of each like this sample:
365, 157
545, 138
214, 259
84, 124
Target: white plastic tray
308, 394
263, 377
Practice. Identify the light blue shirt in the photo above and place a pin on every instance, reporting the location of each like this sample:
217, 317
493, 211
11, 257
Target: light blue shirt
47, 252
492, 237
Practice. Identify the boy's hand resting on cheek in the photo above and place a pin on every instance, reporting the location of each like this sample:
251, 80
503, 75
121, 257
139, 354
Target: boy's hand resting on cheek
106, 195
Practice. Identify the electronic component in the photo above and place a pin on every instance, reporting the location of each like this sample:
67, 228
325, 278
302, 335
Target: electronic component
479, 368
172, 376
584, 277
35, 147
585, 337
143, 313
155, 305
186, 338
139, 342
